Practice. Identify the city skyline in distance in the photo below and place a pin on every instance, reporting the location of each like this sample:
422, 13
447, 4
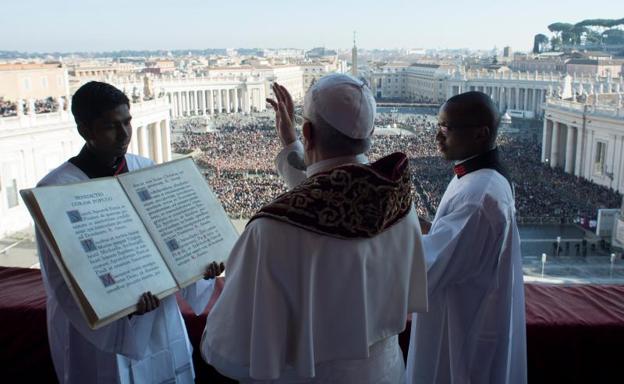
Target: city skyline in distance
88, 26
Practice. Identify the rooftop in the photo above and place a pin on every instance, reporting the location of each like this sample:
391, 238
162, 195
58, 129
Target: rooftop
29, 66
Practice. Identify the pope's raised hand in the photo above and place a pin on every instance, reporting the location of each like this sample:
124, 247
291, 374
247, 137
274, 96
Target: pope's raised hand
284, 114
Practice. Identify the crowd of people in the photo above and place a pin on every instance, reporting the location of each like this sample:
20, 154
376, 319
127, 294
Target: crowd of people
7, 108
237, 154
10, 108
46, 105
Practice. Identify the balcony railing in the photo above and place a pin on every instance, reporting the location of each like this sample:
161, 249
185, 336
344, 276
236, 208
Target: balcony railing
63, 116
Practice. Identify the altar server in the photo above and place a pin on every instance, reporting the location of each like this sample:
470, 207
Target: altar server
474, 331
150, 346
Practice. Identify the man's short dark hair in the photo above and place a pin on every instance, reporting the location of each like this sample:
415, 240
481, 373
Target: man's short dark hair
479, 108
94, 98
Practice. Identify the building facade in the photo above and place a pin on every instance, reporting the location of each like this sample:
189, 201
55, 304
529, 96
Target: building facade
415, 83
541, 63
586, 138
427, 82
33, 81
522, 94
32, 145
389, 82
240, 89
594, 67
312, 72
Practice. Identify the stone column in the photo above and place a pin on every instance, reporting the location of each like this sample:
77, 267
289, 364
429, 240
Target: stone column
220, 101
184, 103
554, 148
134, 143
205, 99
176, 96
188, 108
570, 149
170, 101
546, 140
252, 98
143, 141
617, 162
246, 107
210, 102
227, 101
507, 98
157, 144
525, 106
261, 99
165, 134
235, 100
580, 142
198, 102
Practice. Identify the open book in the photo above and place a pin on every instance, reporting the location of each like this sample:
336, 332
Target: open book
155, 229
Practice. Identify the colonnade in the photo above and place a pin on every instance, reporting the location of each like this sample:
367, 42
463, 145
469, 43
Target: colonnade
152, 140
562, 146
509, 97
196, 102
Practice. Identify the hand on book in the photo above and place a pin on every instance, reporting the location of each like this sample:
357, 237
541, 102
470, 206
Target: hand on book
213, 270
147, 302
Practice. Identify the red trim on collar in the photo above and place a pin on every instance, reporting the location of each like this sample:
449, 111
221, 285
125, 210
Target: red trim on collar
120, 167
459, 170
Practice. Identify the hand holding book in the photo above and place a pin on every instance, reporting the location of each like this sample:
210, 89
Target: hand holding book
156, 230
213, 270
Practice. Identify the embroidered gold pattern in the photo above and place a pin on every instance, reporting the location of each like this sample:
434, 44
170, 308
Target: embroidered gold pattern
349, 201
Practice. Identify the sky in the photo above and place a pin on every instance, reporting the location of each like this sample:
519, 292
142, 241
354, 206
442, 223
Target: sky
90, 25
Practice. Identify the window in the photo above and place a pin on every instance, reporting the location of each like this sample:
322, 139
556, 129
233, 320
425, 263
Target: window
11, 193
26, 83
9, 173
44, 82
599, 159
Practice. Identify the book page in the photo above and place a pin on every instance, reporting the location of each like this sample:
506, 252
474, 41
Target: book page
103, 244
42, 226
185, 218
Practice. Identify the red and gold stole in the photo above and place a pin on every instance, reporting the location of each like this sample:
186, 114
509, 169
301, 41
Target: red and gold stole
349, 201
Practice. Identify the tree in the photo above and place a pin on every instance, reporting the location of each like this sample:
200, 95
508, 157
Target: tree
555, 43
596, 28
539, 42
590, 31
562, 31
560, 27
613, 36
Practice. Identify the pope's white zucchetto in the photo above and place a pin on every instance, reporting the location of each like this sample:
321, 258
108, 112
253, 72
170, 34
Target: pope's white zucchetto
344, 102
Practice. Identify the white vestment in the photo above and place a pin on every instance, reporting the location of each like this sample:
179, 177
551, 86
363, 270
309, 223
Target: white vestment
475, 330
151, 348
299, 306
